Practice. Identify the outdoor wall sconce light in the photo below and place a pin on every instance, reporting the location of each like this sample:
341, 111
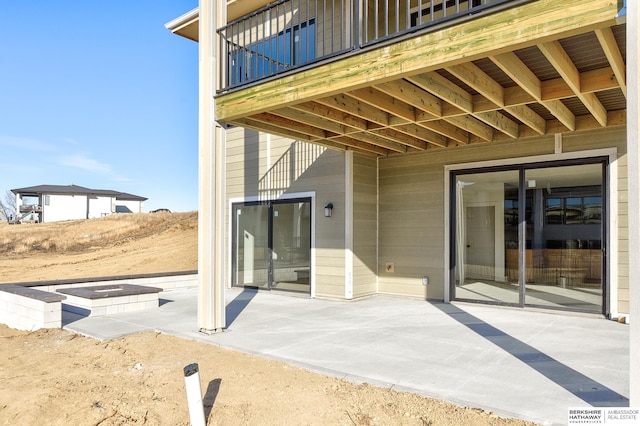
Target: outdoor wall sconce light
328, 209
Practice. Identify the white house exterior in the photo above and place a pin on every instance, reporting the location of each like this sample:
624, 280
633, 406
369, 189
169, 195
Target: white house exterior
52, 203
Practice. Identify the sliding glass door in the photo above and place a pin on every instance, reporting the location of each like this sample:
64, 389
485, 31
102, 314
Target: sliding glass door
251, 250
272, 245
564, 237
530, 235
291, 236
486, 237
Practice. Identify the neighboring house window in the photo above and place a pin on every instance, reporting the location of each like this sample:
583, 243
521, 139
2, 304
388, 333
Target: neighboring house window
46, 200
292, 46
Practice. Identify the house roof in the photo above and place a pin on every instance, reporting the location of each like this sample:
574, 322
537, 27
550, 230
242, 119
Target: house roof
76, 189
188, 24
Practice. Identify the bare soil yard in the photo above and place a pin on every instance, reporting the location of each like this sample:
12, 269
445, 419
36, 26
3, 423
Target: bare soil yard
113, 245
56, 377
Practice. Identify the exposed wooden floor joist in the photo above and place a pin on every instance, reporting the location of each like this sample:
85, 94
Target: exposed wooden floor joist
492, 82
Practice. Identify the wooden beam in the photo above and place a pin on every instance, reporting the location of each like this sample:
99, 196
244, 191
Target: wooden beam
494, 92
341, 143
288, 124
529, 117
583, 122
355, 107
516, 97
385, 102
446, 129
425, 134
404, 138
473, 126
357, 145
460, 101
441, 87
556, 54
612, 51
524, 25
420, 116
551, 90
453, 111
412, 95
597, 80
376, 140
561, 112
511, 65
311, 120
332, 114
275, 130
474, 77
499, 121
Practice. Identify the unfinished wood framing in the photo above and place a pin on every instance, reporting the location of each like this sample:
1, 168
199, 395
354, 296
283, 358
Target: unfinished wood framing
496, 80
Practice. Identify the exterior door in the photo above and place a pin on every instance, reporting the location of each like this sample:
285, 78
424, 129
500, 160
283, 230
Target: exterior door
565, 237
272, 245
484, 237
531, 235
480, 240
250, 249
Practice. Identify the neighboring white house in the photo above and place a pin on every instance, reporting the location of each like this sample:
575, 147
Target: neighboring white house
52, 203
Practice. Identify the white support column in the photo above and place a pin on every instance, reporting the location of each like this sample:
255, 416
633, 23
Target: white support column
211, 179
633, 164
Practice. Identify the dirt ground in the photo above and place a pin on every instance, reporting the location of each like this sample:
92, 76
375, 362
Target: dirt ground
114, 245
56, 377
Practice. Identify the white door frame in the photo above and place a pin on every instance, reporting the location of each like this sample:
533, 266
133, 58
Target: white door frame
611, 226
288, 196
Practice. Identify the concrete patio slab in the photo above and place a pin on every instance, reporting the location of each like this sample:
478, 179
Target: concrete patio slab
518, 363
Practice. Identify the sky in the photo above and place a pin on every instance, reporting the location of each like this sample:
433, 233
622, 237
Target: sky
99, 94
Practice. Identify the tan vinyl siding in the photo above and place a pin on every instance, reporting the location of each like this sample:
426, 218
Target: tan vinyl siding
623, 235
364, 226
330, 273
270, 166
411, 227
242, 162
329, 27
408, 223
617, 138
411, 210
328, 181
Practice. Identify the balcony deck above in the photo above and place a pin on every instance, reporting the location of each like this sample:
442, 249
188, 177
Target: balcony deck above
534, 68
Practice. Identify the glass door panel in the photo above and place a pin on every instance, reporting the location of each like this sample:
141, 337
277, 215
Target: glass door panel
486, 237
251, 249
272, 245
564, 237
291, 246
533, 236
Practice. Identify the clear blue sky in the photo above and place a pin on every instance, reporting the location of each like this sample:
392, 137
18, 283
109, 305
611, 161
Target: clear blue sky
99, 94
